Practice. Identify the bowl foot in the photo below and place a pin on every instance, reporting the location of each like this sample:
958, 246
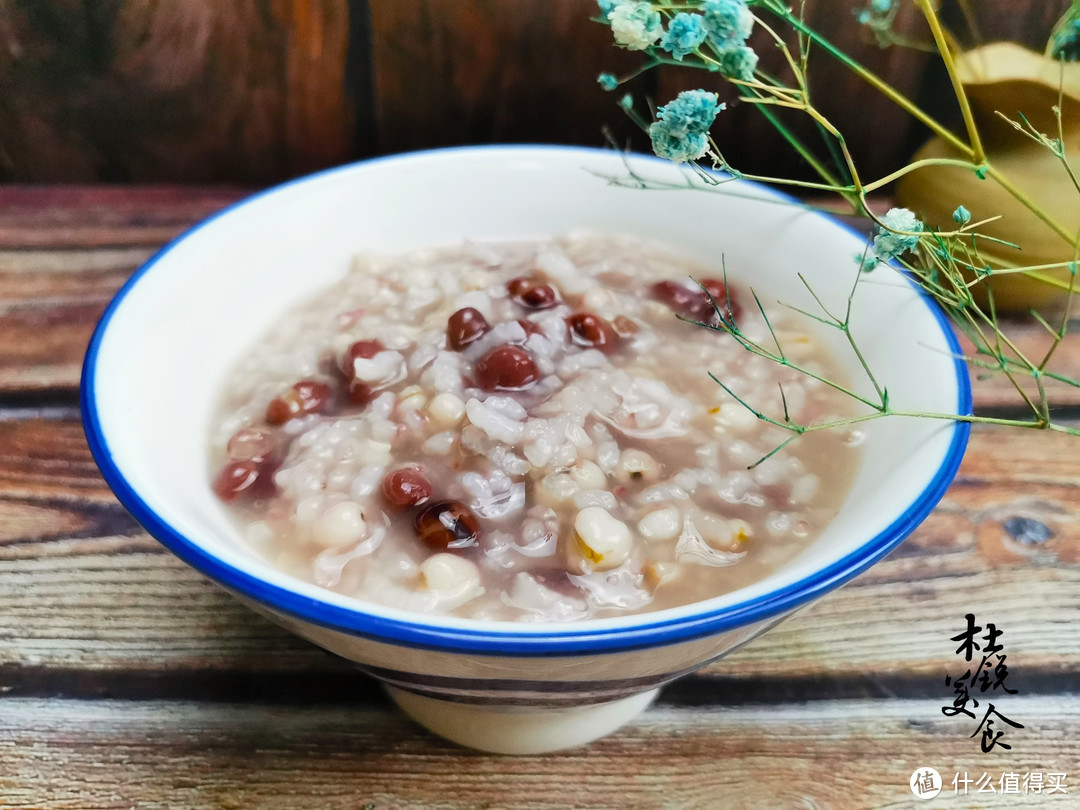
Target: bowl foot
513, 730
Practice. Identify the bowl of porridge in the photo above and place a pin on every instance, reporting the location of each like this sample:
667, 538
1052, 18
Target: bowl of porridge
480, 421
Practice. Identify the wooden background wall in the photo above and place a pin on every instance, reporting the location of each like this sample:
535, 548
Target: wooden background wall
254, 91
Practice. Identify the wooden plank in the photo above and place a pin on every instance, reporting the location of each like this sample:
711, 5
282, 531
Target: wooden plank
87, 217
192, 92
844, 754
444, 75
42, 346
64, 252
319, 118
82, 588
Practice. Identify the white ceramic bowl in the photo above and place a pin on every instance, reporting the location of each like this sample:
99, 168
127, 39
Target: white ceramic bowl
158, 358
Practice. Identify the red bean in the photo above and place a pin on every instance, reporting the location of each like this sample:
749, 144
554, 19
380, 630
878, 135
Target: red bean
679, 297
244, 479
532, 294
592, 331
357, 391
249, 444
447, 524
360, 393
624, 326
692, 302
517, 286
507, 368
360, 350
542, 296
406, 487
464, 327
306, 396
723, 296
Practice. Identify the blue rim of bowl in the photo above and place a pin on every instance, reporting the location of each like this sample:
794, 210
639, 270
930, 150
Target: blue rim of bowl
563, 639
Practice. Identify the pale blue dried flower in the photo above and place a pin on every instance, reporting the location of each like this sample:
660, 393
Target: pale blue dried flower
690, 111
1066, 45
676, 147
680, 132
607, 81
685, 33
867, 261
739, 63
889, 245
727, 23
878, 11
606, 7
961, 216
635, 25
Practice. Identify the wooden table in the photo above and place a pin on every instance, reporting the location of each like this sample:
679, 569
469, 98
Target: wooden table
129, 680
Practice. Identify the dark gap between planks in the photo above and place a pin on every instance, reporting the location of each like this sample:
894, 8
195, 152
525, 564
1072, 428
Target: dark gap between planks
349, 686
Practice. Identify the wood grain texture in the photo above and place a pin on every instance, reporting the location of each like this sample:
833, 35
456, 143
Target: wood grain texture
121, 90
259, 90
128, 679
68, 217
64, 252
484, 71
82, 588
850, 754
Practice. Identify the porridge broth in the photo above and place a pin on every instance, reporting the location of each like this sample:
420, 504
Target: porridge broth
527, 431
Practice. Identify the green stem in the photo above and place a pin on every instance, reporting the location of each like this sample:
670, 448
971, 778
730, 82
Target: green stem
918, 164
802, 149
870, 78
908, 105
1030, 204
978, 154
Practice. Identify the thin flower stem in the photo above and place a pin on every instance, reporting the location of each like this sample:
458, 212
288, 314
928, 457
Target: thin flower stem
1030, 204
1061, 127
846, 329
803, 151
849, 162
1060, 336
969, 313
773, 102
783, 181
918, 113
928, 10
796, 430
999, 339
877, 83
642, 68
918, 164
800, 77
945, 264
760, 351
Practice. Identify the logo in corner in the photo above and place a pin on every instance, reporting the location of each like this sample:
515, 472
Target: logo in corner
925, 783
